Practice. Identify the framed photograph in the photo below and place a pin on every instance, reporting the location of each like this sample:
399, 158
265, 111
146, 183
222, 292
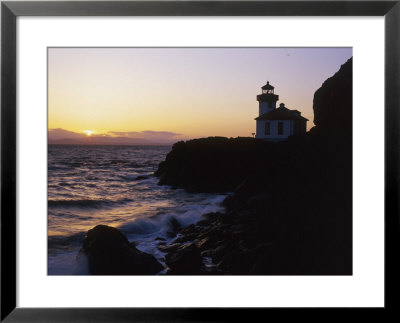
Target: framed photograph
197, 160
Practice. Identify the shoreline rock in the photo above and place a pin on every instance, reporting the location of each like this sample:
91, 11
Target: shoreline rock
110, 253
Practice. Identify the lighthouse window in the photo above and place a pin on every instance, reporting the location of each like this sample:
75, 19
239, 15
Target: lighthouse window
267, 128
280, 128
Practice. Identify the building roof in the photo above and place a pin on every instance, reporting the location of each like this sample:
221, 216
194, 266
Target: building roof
267, 86
281, 113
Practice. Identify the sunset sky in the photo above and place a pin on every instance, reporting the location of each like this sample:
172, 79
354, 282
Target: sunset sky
167, 94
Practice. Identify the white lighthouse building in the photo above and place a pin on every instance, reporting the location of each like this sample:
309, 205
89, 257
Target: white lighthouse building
276, 124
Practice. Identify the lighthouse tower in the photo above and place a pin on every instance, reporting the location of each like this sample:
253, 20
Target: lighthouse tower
276, 124
267, 99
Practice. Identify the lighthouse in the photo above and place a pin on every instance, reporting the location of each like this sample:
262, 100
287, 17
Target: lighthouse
267, 99
276, 124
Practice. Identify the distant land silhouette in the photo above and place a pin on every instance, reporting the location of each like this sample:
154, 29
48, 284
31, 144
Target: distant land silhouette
64, 137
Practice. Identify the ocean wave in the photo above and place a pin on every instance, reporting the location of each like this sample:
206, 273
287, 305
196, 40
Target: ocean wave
121, 163
137, 177
164, 222
66, 184
68, 263
128, 178
159, 224
66, 242
87, 203
57, 167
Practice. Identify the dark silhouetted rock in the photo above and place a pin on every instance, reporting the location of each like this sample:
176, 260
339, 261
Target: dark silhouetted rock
206, 243
186, 237
168, 248
190, 229
110, 253
186, 260
141, 177
214, 164
333, 102
208, 218
174, 227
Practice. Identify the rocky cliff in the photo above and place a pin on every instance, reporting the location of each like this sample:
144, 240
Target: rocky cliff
333, 102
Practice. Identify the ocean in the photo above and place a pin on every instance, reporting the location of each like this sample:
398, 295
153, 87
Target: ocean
113, 185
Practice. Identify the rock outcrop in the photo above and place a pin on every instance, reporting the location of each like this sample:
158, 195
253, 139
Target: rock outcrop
333, 102
213, 164
110, 253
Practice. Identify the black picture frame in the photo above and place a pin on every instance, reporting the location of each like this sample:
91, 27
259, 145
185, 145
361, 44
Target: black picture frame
10, 10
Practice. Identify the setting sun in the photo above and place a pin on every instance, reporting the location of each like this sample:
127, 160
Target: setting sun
88, 132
